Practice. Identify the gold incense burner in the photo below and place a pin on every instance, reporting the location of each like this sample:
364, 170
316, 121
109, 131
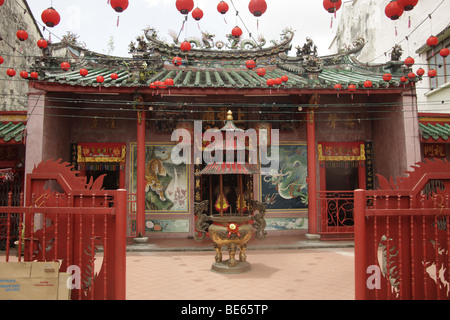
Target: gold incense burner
230, 217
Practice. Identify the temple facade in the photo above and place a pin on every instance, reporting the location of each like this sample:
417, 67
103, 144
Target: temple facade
332, 123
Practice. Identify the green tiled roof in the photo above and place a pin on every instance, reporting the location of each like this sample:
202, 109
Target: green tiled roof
220, 78
435, 131
10, 131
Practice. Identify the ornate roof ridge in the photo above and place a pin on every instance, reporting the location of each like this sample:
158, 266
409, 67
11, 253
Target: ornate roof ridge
204, 49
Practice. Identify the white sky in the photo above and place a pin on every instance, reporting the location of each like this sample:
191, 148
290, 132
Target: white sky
95, 21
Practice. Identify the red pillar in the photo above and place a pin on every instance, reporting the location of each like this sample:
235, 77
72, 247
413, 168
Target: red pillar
311, 148
360, 245
120, 247
140, 175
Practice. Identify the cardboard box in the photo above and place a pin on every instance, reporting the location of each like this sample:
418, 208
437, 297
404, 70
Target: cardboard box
32, 281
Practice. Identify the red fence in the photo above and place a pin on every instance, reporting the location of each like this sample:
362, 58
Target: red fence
402, 236
335, 214
66, 220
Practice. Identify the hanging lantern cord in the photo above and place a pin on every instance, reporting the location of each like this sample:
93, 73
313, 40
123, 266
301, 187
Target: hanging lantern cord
182, 27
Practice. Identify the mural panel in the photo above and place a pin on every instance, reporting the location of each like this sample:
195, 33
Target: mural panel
167, 184
286, 189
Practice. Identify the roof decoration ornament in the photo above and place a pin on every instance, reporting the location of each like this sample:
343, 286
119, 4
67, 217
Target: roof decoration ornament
208, 48
396, 53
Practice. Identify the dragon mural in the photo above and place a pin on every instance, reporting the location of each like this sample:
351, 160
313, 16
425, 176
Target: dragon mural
289, 181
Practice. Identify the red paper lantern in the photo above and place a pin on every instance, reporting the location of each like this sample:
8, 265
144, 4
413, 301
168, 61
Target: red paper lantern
432, 41
387, 77
250, 64
50, 17
432, 73
114, 76
420, 72
185, 46
278, 81
444, 52
284, 78
100, 79
197, 14
352, 87
34, 75
411, 75
409, 61
270, 82
393, 11
83, 72
119, 5
236, 32
404, 79
222, 7
257, 7
331, 6
160, 84
338, 86
261, 72
368, 84
1, 60
42, 43
22, 35
177, 61
24, 74
169, 82
407, 5
11, 72
184, 6
1, 2
65, 66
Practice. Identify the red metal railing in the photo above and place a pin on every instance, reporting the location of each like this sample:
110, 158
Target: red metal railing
73, 230
131, 215
402, 244
335, 212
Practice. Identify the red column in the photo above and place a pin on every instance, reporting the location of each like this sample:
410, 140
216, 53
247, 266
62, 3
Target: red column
120, 247
311, 148
140, 175
360, 245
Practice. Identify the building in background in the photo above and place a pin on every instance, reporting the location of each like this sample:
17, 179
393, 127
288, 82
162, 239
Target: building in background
367, 20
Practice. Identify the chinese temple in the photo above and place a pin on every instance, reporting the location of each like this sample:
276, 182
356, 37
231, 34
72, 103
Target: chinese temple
336, 122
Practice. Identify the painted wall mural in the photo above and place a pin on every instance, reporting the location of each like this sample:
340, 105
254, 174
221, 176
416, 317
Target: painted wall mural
286, 189
167, 184
284, 224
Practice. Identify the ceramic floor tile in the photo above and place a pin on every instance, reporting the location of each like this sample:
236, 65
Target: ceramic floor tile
275, 275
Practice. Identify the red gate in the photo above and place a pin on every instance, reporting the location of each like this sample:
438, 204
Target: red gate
402, 237
68, 220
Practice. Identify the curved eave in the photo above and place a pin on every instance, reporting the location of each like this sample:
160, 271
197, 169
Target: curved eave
213, 81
